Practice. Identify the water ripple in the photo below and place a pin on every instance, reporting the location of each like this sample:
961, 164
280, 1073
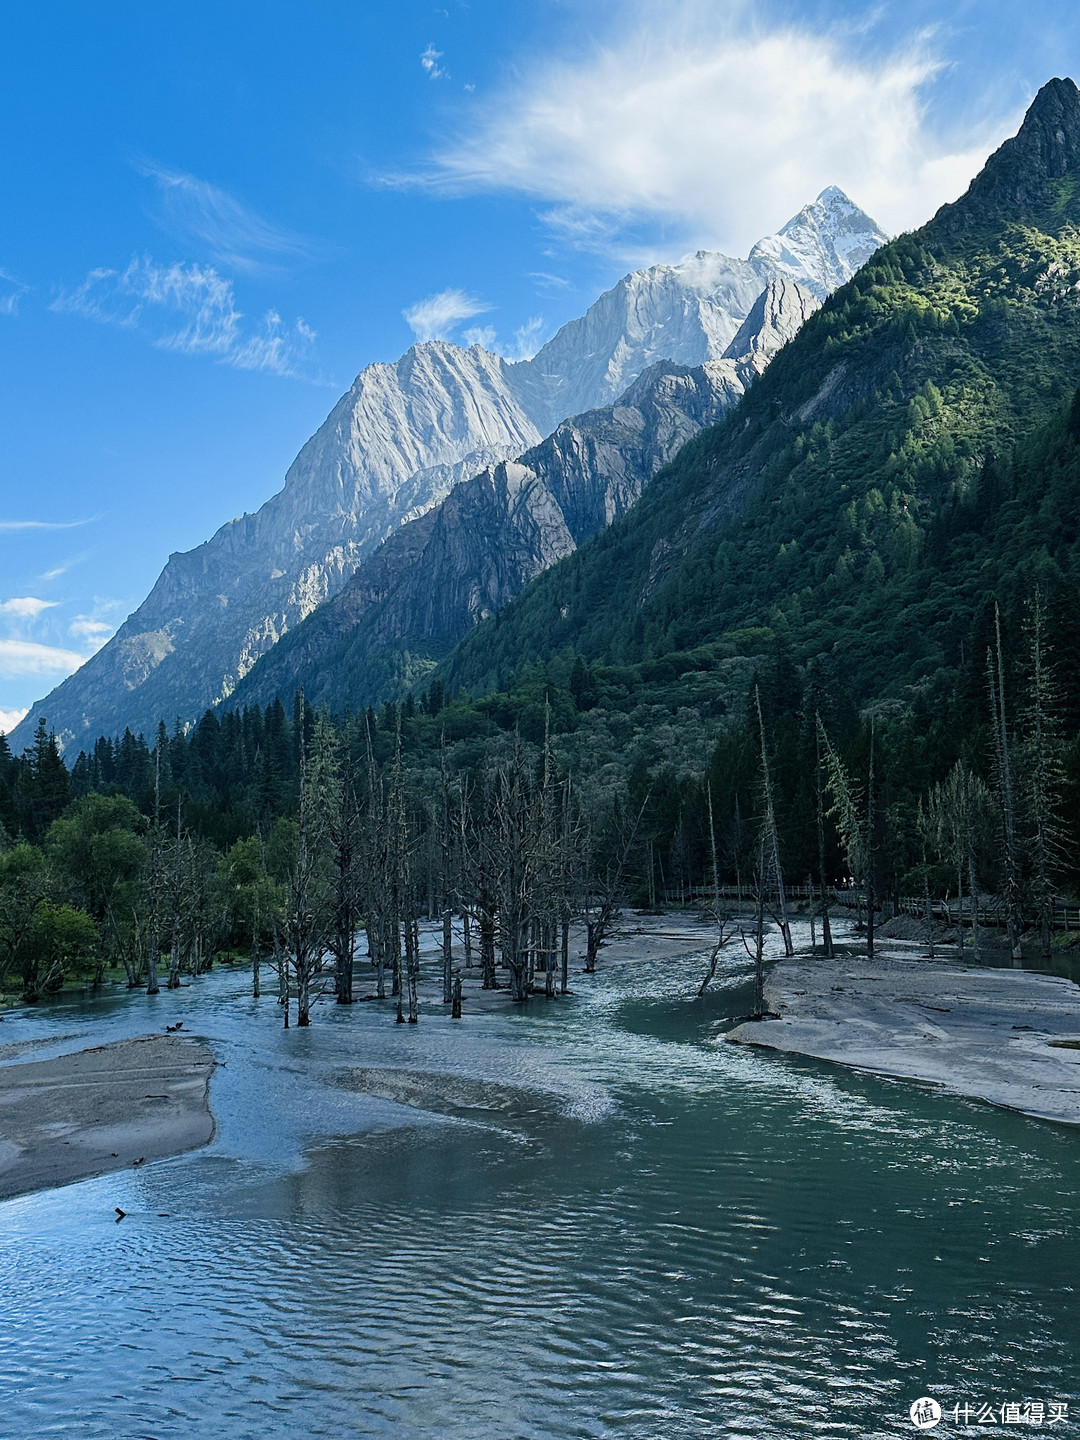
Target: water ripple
682, 1239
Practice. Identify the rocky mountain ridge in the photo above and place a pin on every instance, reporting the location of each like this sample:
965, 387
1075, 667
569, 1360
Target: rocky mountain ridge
441, 574
394, 447
884, 486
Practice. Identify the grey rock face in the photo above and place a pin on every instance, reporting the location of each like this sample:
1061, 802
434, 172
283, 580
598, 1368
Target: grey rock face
776, 315
401, 439
392, 447
1031, 171
441, 574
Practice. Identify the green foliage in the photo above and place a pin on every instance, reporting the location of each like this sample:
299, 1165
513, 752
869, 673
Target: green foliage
60, 945
98, 847
251, 899
839, 543
861, 501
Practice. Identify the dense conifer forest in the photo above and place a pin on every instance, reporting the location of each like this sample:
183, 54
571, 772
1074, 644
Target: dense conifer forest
638, 784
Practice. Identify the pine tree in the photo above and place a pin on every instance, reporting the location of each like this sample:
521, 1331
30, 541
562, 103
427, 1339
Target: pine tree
1042, 775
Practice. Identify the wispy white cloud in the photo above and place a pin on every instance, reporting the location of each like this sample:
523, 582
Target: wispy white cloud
25, 607
437, 316
234, 235
713, 122
429, 59
94, 628
483, 335
42, 525
546, 281
10, 718
28, 657
526, 339
87, 628
56, 571
190, 308
11, 292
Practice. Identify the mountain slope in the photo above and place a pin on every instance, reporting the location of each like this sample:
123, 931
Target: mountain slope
691, 312
821, 509
393, 447
436, 577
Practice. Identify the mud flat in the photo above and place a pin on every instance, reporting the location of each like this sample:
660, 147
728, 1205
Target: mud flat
102, 1109
1009, 1037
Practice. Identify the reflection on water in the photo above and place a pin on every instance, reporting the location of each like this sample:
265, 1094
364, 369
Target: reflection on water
683, 1238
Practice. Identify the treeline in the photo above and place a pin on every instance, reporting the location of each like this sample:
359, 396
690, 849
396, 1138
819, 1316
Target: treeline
279, 835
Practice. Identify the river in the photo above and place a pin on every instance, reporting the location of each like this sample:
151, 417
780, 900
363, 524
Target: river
677, 1237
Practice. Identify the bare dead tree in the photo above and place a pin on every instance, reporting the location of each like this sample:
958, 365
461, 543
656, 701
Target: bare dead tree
177, 898
958, 811
412, 966
483, 854
924, 827
757, 954
154, 885
605, 883
375, 869
720, 916
385, 874
854, 818
343, 835
870, 877
446, 837
515, 850
307, 912
826, 923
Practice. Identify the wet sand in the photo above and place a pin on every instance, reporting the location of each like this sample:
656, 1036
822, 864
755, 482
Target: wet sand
1009, 1037
100, 1110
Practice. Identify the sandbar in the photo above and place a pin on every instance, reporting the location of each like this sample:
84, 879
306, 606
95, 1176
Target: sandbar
1009, 1037
103, 1109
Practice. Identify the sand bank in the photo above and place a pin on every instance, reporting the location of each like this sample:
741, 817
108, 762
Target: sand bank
102, 1109
1005, 1036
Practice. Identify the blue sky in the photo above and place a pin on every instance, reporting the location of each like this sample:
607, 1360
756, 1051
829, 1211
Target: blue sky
215, 214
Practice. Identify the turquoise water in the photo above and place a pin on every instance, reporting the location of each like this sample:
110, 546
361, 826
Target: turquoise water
681, 1238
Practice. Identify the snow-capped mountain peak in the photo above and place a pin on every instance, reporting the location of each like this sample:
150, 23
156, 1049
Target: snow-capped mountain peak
405, 434
823, 245
690, 311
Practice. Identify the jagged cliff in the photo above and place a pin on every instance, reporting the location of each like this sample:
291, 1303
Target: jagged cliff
395, 446
438, 576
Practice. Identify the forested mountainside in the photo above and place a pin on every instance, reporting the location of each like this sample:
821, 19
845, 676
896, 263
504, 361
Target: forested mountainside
394, 446
440, 574
862, 587
661, 761
860, 502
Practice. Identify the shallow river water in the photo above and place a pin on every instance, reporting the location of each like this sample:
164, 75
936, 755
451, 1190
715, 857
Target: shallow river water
682, 1238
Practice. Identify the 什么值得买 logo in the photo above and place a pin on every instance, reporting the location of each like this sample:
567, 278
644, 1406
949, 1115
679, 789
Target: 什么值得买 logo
925, 1413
